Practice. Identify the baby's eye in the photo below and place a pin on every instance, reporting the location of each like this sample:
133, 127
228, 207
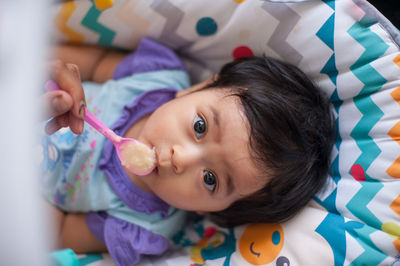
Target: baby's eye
210, 181
199, 127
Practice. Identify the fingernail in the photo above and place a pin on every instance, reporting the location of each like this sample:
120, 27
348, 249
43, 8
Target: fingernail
51, 127
81, 125
82, 109
59, 105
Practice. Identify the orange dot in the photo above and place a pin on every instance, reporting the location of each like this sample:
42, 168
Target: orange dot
396, 244
261, 243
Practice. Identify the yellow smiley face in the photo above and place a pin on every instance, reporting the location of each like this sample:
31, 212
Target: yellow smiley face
261, 243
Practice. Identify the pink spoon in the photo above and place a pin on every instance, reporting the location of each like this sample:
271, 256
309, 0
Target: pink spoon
133, 154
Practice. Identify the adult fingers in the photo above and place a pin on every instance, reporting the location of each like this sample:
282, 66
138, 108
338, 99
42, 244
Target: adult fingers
68, 78
76, 123
55, 103
57, 123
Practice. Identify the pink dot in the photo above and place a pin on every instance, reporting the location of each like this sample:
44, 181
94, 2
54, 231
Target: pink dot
242, 51
357, 172
93, 144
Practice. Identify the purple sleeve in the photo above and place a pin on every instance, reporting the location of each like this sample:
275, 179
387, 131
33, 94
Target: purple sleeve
126, 242
95, 221
149, 56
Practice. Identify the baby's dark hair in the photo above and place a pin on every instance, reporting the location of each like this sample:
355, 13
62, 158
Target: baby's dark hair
292, 132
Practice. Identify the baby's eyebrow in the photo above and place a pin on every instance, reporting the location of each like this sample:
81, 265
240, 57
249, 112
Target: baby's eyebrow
230, 186
215, 115
216, 119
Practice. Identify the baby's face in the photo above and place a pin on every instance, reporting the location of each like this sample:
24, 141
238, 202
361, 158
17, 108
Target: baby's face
202, 150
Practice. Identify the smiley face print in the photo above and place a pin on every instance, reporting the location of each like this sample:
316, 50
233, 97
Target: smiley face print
261, 243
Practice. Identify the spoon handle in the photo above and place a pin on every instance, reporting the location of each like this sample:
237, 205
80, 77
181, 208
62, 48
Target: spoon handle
99, 126
90, 118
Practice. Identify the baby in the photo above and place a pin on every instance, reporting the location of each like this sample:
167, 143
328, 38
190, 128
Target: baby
252, 144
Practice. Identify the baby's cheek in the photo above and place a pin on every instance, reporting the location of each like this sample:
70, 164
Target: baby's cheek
174, 192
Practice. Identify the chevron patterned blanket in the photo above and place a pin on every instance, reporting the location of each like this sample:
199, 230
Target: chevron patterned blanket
349, 49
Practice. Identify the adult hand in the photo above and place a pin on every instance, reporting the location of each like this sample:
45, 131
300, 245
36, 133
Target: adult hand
66, 107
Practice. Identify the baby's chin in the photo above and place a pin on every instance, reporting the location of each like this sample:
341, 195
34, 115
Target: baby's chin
142, 182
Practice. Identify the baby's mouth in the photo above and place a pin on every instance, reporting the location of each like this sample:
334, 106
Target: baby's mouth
157, 153
157, 163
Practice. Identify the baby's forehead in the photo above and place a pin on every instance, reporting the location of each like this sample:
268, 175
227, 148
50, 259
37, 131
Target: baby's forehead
250, 182
246, 174
222, 91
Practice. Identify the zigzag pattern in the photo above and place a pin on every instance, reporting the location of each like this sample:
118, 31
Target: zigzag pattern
174, 17
326, 35
358, 204
374, 48
394, 133
287, 21
106, 35
372, 255
395, 205
394, 169
127, 15
373, 81
371, 113
336, 235
61, 20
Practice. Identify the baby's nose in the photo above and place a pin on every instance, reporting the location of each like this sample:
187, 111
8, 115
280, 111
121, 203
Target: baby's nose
184, 157
163, 157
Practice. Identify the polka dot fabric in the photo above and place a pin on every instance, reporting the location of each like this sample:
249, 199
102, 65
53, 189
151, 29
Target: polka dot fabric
206, 26
349, 49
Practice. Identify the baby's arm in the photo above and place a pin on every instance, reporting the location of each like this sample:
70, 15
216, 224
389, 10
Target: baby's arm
95, 63
75, 234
